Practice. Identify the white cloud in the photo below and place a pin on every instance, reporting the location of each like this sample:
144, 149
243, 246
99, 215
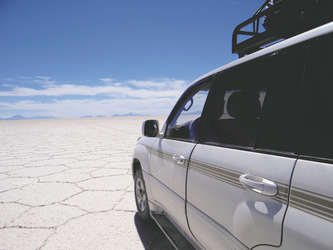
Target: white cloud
107, 80
147, 84
168, 88
8, 85
115, 91
160, 83
155, 97
25, 77
44, 81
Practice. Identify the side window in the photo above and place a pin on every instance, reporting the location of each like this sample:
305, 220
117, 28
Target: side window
319, 121
257, 103
237, 107
186, 120
279, 123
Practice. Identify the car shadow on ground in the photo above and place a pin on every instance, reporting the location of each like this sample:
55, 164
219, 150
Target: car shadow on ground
151, 235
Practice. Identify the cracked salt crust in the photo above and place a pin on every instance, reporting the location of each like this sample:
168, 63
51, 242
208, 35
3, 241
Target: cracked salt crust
67, 184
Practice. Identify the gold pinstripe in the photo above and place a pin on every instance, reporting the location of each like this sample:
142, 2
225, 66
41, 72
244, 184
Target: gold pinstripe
313, 203
304, 200
282, 195
216, 172
164, 155
232, 177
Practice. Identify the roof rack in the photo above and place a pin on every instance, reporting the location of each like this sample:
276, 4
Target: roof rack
279, 19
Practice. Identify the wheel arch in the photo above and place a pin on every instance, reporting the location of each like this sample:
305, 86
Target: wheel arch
136, 165
141, 159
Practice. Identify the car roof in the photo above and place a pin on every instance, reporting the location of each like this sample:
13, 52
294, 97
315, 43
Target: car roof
316, 32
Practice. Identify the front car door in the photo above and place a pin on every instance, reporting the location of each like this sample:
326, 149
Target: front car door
170, 153
239, 173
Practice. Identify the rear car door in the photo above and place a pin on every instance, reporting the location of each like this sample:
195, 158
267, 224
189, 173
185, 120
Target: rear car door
239, 173
170, 154
309, 219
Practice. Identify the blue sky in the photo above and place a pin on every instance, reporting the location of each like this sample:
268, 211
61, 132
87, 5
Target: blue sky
71, 58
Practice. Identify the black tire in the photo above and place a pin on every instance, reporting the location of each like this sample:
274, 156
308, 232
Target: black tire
141, 198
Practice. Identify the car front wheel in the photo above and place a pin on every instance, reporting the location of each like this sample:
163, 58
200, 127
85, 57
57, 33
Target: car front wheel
141, 198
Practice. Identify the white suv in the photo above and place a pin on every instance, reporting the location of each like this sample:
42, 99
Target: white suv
245, 158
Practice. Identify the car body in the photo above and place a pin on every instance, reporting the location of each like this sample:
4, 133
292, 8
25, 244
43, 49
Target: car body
244, 160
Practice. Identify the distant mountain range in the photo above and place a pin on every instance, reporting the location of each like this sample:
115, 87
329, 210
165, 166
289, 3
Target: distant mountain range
20, 117
130, 114
116, 115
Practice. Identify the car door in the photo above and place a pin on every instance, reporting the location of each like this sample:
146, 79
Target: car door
309, 219
239, 173
170, 154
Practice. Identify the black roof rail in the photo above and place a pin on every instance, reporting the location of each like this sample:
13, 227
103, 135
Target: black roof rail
279, 19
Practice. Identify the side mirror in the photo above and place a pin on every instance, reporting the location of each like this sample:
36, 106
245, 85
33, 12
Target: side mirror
150, 128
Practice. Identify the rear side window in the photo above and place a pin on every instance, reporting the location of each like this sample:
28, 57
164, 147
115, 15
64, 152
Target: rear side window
279, 122
238, 104
257, 103
319, 119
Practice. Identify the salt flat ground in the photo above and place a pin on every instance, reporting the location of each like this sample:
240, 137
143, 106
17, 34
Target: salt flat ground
67, 184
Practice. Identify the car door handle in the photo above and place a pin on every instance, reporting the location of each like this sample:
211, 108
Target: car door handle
259, 185
179, 159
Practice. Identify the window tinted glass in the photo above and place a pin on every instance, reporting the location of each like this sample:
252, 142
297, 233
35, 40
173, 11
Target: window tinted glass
278, 128
319, 129
237, 107
257, 103
186, 121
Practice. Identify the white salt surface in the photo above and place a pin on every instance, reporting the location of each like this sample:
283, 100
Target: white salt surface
67, 184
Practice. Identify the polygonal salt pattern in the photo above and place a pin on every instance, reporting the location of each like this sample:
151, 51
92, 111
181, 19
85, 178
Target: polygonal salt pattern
67, 184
